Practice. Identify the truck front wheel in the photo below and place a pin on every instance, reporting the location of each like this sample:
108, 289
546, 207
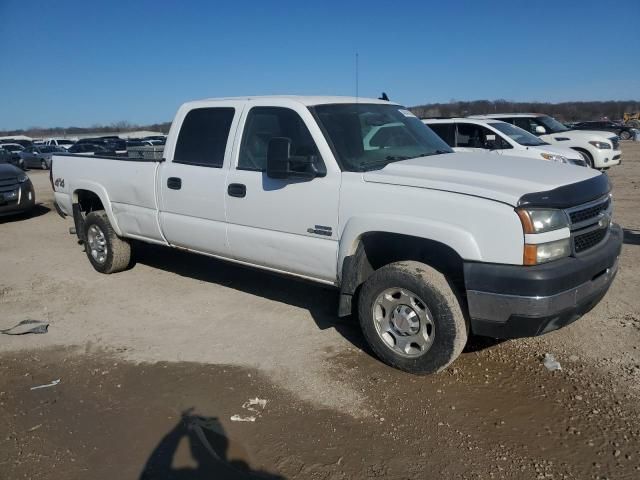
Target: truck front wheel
411, 318
107, 252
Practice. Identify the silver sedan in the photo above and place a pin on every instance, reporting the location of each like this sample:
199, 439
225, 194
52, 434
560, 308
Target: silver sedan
39, 156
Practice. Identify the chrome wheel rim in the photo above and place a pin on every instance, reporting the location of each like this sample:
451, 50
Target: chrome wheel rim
97, 244
403, 322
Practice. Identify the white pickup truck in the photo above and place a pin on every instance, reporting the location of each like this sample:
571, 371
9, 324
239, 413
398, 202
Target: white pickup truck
425, 245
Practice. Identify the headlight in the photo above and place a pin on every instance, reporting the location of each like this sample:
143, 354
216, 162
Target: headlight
538, 221
22, 178
554, 158
601, 145
546, 252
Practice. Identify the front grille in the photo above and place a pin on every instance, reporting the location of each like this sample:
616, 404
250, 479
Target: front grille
588, 213
8, 182
587, 240
616, 143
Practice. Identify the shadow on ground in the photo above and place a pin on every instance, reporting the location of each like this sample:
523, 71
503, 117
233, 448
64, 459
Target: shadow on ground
209, 450
320, 301
631, 237
35, 212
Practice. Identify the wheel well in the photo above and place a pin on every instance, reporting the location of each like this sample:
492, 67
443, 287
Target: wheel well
88, 201
85, 202
377, 249
582, 150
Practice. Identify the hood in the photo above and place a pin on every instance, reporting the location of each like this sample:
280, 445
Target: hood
9, 171
497, 177
579, 135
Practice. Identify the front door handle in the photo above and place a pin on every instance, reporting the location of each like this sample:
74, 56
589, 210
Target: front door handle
174, 183
237, 190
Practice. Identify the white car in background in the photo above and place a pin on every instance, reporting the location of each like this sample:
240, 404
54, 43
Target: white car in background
599, 149
494, 136
59, 142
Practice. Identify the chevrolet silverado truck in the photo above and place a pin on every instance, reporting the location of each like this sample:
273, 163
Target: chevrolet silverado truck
425, 246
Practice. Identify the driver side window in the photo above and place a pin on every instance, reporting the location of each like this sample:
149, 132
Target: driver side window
265, 123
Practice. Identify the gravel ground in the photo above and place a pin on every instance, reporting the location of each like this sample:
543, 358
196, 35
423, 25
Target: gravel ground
150, 358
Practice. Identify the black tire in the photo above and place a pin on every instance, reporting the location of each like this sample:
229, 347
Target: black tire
625, 135
450, 329
587, 158
118, 250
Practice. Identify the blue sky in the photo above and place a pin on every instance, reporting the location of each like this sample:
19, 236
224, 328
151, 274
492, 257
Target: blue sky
96, 62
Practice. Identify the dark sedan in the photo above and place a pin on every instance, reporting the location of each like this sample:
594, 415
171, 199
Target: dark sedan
624, 132
90, 149
16, 191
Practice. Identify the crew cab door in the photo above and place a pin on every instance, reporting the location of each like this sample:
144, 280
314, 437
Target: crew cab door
284, 224
191, 183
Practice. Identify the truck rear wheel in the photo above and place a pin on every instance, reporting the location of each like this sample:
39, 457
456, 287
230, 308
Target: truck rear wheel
411, 318
107, 252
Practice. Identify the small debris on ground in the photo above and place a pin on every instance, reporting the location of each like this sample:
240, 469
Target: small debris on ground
251, 405
27, 326
551, 363
238, 418
47, 385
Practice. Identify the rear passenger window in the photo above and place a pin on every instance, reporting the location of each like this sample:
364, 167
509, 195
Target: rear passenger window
471, 135
203, 137
265, 123
446, 131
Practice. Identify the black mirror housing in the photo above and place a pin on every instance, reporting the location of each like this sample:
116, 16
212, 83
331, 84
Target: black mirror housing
278, 154
281, 164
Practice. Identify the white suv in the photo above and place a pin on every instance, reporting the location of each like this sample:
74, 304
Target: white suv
60, 142
494, 136
597, 148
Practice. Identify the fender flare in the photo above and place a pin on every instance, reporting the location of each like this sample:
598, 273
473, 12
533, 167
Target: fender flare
102, 194
459, 239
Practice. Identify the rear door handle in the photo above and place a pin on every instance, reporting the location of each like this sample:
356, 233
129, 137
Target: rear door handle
174, 183
237, 190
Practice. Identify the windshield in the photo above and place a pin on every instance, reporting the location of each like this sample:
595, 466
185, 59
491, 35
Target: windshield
370, 136
551, 124
65, 142
517, 134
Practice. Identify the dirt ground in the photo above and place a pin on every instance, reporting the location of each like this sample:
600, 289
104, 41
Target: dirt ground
155, 362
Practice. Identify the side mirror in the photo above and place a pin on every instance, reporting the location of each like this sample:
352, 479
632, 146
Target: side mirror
540, 130
281, 164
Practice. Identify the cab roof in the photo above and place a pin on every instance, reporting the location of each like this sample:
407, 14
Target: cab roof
307, 100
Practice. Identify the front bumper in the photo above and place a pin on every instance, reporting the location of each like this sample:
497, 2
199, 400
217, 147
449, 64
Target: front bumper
508, 301
25, 201
607, 158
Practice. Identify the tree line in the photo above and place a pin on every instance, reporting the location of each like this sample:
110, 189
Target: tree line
565, 111
38, 132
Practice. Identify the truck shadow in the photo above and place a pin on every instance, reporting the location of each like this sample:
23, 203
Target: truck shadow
320, 301
209, 450
631, 237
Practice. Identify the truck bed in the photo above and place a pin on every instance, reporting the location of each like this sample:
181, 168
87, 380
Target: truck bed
128, 185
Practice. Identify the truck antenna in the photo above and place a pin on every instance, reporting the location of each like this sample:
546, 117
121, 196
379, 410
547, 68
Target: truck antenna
357, 79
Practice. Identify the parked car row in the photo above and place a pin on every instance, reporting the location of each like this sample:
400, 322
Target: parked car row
25, 154
530, 135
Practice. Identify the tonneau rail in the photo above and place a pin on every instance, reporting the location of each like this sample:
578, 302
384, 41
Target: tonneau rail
117, 157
